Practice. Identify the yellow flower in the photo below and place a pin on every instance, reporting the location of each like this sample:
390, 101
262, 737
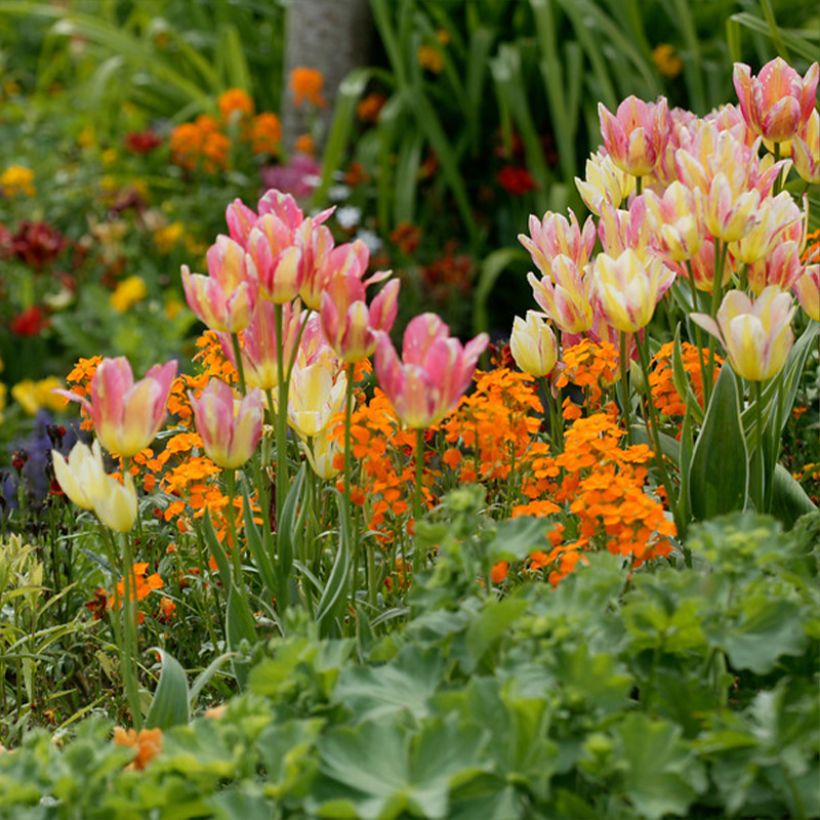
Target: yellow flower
16, 180
429, 57
173, 308
33, 396
3, 390
109, 156
86, 138
667, 60
167, 238
128, 293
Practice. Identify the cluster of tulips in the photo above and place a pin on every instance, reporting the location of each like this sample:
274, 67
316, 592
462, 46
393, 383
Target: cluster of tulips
693, 208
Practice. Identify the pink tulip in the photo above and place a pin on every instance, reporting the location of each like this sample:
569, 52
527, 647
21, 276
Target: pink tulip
275, 259
807, 291
806, 150
350, 327
224, 299
778, 101
434, 373
126, 415
564, 296
781, 267
554, 235
259, 348
635, 136
230, 429
632, 229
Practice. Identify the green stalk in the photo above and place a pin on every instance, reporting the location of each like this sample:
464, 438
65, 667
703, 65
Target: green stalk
654, 430
624, 390
638, 185
348, 467
230, 487
240, 368
418, 558
698, 335
129, 663
281, 416
721, 249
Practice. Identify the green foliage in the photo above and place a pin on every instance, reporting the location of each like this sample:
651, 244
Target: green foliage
670, 692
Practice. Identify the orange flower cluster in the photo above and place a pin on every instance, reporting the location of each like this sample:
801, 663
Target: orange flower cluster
79, 383
145, 585
147, 743
306, 86
200, 144
204, 143
591, 366
603, 487
496, 423
665, 394
383, 450
811, 255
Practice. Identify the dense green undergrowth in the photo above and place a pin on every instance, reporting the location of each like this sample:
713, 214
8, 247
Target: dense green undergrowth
665, 691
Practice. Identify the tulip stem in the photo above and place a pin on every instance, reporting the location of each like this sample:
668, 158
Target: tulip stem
698, 337
240, 368
721, 249
348, 465
230, 487
625, 387
281, 417
418, 557
129, 670
653, 427
638, 185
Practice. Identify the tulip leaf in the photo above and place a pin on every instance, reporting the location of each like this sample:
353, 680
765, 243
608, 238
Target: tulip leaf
333, 593
719, 469
240, 627
256, 543
288, 526
789, 499
170, 704
216, 550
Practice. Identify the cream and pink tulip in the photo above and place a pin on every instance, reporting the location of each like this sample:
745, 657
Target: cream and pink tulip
778, 101
554, 235
756, 336
635, 136
127, 415
628, 288
533, 344
230, 428
274, 260
807, 291
349, 325
806, 150
433, 374
678, 220
564, 295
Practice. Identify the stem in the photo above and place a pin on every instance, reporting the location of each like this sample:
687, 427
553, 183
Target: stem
240, 368
230, 487
638, 185
654, 430
418, 558
707, 388
625, 387
721, 249
130, 636
281, 416
348, 467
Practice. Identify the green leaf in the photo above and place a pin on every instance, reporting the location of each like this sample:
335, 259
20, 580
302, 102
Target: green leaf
789, 499
516, 538
661, 776
719, 470
491, 268
334, 592
170, 704
489, 627
239, 626
288, 525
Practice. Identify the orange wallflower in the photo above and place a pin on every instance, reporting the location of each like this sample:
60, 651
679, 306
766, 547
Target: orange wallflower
200, 144
306, 86
304, 144
266, 134
592, 366
147, 743
811, 255
145, 585
665, 394
370, 106
235, 99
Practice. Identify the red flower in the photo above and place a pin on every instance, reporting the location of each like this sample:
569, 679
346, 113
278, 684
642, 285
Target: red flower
515, 181
142, 142
37, 243
30, 322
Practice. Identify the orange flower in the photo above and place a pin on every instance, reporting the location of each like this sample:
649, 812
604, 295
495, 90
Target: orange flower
368, 108
661, 379
146, 742
235, 99
200, 143
167, 610
304, 145
306, 85
145, 584
266, 134
811, 255
499, 572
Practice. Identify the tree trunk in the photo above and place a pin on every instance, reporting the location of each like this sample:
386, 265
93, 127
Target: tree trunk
330, 35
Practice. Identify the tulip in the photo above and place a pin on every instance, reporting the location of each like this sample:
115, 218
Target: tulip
778, 101
635, 136
628, 288
782, 267
565, 297
434, 373
619, 229
729, 216
806, 150
315, 397
757, 336
259, 350
350, 327
316, 245
677, 216
224, 299
703, 267
116, 507
82, 477
605, 184
533, 345
321, 454
807, 290
126, 415
554, 235
275, 260
773, 217
230, 429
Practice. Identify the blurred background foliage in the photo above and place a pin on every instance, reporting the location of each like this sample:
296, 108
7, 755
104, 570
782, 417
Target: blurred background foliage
468, 116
